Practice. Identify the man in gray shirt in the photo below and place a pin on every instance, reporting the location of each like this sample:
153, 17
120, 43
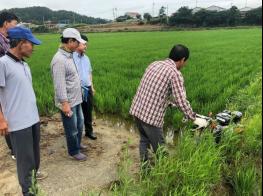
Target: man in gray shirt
19, 115
68, 96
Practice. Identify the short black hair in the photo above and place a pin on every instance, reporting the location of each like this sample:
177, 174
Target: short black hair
66, 40
84, 37
7, 17
14, 42
179, 52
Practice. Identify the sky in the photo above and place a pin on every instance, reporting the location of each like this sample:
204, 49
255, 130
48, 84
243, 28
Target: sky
106, 8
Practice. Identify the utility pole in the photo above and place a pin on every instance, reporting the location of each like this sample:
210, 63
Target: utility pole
246, 4
74, 18
116, 12
153, 7
113, 10
196, 3
167, 13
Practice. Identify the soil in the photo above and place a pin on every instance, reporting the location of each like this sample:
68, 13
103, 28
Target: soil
66, 176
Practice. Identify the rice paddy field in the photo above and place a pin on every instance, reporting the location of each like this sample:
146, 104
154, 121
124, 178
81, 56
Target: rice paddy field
221, 62
224, 71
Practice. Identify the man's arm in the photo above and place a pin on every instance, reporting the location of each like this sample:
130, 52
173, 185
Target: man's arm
179, 93
90, 74
92, 87
3, 124
59, 78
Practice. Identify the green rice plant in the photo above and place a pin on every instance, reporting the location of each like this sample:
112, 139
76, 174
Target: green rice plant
126, 180
217, 68
243, 151
245, 181
34, 189
192, 170
197, 168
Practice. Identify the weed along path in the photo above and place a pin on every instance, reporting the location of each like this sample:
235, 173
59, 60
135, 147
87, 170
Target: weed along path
65, 176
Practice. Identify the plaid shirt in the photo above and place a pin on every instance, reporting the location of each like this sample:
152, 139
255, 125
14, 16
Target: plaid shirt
66, 79
161, 82
4, 45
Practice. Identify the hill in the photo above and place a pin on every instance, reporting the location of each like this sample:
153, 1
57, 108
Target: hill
38, 15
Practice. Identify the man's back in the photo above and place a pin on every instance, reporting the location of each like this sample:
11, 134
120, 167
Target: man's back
150, 101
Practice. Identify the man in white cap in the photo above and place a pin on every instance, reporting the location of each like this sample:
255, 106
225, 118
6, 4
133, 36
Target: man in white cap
68, 95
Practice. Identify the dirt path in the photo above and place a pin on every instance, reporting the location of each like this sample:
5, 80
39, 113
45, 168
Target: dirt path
65, 176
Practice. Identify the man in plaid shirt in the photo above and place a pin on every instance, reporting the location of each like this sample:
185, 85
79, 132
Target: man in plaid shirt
161, 81
7, 21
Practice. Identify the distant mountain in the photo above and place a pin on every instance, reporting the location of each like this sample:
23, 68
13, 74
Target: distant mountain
37, 15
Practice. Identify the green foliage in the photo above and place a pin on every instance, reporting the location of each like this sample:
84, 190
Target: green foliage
192, 170
245, 180
234, 16
205, 18
40, 29
253, 17
243, 152
147, 17
35, 189
37, 14
217, 68
200, 168
246, 99
182, 17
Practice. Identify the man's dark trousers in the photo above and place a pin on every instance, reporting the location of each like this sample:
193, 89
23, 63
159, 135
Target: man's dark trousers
26, 148
9, 144
87, 112
149, 136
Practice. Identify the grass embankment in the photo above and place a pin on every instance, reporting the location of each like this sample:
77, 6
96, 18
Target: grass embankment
232, 167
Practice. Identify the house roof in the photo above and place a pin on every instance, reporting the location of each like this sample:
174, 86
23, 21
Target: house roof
196, 9
132, 14
245, 9
215, 8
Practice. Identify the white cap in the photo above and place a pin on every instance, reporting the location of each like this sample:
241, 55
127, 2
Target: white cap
73, 33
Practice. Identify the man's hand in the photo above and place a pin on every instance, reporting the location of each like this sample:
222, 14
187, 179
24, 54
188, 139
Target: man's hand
66, 109
93, 90
200, 122
3, 127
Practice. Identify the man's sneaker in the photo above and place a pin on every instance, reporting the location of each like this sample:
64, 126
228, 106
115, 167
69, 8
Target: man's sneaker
80, 157
13, 157
91, 136
83, 148
41, 175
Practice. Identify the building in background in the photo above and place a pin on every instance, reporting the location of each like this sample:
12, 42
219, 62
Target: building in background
132, 14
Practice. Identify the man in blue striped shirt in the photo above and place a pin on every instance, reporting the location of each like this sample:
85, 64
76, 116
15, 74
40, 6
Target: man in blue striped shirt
85, 72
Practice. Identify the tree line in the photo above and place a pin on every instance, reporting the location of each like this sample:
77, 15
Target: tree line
38, 15
185, 17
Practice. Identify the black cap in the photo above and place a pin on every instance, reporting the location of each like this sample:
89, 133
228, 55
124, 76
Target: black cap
84, 37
